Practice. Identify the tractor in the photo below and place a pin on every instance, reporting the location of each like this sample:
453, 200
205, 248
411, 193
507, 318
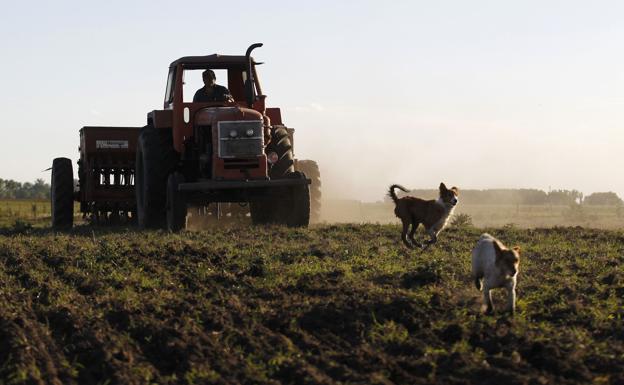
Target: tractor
192, 154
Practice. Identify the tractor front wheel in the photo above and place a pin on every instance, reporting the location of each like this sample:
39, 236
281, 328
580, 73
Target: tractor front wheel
62, 194
262, 212
286, 205
297, 203
291, 205
280, 144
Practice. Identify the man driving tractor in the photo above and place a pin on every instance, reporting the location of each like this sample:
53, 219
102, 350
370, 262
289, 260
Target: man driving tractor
212, 92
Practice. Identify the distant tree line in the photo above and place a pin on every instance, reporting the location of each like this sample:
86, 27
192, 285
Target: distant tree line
526, 197
603, 198
10, 189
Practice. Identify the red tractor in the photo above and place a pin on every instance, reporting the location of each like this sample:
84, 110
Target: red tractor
192, 153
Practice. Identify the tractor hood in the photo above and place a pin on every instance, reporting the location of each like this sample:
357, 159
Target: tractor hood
211, 115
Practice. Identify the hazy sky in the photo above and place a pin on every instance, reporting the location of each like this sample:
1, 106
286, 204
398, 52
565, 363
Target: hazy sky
479, 94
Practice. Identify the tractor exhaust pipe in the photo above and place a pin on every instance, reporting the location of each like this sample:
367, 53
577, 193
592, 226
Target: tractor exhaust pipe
249, 83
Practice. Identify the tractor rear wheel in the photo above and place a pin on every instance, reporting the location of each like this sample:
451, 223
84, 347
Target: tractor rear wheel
176, 204
155, 160
62, 194
311, 170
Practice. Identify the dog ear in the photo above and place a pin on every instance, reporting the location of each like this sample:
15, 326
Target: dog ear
498, 250
517, 249
443, 187
455, 189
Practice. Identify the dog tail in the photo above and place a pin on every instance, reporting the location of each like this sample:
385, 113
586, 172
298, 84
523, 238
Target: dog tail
393, 195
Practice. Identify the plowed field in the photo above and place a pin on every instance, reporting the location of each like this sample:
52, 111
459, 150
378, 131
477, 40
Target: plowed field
326, 305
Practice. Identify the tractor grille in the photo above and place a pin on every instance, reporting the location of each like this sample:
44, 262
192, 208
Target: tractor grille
239, 164
240, 139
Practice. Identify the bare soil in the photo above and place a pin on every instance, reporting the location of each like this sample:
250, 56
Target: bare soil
327, 305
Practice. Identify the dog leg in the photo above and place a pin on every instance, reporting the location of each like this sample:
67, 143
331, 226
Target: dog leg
411, 235
477, 282
434, 237
511, 298
487, 300
404, 234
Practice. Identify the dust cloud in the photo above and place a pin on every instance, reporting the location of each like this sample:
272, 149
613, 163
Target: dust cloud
361, 153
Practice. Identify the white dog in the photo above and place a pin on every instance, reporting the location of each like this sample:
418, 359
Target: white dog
497, 266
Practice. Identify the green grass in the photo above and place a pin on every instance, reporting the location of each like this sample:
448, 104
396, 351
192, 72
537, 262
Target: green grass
329, 304
18, 209
35, 212
483, 215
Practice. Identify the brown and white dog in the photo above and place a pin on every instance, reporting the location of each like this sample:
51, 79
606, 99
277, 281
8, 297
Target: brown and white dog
433, 214
496, 266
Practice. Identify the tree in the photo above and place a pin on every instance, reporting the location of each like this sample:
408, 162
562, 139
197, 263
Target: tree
10, 189
603, 198
564, 197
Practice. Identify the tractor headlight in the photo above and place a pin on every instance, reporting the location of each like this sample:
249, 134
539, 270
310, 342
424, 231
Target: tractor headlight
233, 133
250, 132
272, 157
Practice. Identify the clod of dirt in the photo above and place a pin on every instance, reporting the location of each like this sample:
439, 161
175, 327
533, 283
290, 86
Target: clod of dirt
257, 269
609, 279
451, 334
421, 277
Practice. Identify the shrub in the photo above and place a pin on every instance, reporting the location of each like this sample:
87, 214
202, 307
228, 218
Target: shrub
461, 220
